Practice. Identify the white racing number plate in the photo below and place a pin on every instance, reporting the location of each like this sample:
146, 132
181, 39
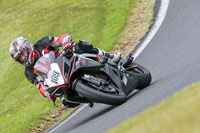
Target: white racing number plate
54, 77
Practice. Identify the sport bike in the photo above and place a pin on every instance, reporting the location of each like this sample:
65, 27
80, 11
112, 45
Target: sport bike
90, 78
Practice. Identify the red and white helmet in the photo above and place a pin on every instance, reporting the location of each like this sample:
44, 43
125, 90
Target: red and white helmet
20, 46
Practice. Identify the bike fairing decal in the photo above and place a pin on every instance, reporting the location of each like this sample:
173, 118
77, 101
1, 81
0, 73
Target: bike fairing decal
124, 79
58, 88
84, 62
72, 68
63, 72
86, 76
98, 58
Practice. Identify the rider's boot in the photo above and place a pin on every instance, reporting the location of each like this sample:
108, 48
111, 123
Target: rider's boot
112, 57
116, 57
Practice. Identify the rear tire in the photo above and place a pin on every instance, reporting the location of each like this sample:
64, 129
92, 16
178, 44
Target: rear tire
143, 75
95, 95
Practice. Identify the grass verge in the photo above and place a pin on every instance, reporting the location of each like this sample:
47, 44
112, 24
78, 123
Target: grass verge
56, 118
137, 26
178, 114
22, 109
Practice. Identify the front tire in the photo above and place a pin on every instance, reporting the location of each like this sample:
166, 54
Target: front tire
95, 95
143, 75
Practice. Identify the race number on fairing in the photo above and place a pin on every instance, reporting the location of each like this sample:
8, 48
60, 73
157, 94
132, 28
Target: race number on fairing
56, 77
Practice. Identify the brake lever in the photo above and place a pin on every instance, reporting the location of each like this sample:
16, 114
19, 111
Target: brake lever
67, 49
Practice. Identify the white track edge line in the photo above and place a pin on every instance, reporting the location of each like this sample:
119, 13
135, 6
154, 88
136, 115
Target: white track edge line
159, 20
69, 117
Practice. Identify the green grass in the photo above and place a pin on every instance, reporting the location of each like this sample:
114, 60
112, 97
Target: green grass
178, 114
97, 21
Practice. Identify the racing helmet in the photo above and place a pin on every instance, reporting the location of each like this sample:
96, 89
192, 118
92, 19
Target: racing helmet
21, 50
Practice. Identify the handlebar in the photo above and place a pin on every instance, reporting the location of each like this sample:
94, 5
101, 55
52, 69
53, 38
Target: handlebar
65, 50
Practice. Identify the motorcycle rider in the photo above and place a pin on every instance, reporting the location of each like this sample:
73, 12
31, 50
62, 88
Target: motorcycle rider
25, 53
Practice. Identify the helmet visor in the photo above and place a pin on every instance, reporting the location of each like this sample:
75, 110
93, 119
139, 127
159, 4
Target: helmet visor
22, 57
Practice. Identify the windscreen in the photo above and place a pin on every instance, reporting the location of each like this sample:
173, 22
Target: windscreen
42, 66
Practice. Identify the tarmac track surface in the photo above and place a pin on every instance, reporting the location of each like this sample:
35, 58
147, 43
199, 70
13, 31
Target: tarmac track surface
172, 57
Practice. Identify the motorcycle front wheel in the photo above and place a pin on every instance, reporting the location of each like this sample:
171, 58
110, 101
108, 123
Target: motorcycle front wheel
142, 74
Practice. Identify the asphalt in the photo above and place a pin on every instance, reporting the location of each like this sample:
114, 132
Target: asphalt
172, 57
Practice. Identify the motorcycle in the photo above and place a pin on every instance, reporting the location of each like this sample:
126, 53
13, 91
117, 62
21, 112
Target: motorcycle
90, 78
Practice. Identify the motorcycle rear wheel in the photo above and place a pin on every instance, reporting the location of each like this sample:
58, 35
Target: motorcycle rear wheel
95, 95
